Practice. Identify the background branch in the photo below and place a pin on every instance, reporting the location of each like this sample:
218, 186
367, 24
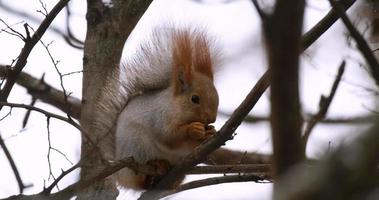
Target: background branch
39, 89
69, 37
217, 180
21, 185
46, 113
361, 42
13, 73
323, 106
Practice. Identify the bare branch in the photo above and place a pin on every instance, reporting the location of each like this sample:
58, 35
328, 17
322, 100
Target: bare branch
307, 118
47, 93
283, 57
46, 113
323, 106
107, 170
260, 12
228, 169
29, 45
361, 42
323, 25
223, 156
59, 178
69, 37
21, 185
217, 180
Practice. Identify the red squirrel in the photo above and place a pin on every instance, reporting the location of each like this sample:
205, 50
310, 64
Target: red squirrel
172, 101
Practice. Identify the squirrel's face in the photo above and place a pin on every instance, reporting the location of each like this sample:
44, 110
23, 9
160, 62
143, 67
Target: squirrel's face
196, 101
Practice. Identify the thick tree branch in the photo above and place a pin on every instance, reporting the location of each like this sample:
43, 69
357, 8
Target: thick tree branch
323, 106
227, 169
361, 42
217, 180
30, 42
323, 25
107, 30
283, 38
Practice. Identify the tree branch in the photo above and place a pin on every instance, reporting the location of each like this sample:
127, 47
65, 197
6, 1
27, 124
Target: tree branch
46, 113
323, 25
21, 185
30, 42
323, 106
47, 93
227, 169
283, 39
361, 42
217, 180
329, 120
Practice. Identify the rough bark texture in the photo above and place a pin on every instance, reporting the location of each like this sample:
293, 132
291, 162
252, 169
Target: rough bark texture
107, 31
283, 36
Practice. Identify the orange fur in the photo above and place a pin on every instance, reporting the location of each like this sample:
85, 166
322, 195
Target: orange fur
191, 52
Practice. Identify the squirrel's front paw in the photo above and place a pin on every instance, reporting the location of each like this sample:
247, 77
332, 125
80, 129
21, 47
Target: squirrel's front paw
200, 131
161, 166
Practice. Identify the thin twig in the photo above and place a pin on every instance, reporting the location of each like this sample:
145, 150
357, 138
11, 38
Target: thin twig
361, 42
323, 106
59, 178
55, 64
49, 151
16, 173
69, 38
12, 31
46, 113
26, 50
260, 12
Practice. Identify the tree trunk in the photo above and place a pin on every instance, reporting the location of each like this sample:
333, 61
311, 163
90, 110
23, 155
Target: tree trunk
107, 30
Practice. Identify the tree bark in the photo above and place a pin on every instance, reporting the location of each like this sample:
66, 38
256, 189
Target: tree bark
283, 37
107, 30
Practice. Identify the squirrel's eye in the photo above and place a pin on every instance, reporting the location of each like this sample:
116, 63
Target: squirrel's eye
195, 99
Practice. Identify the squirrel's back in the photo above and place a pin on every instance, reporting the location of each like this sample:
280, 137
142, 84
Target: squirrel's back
149, 68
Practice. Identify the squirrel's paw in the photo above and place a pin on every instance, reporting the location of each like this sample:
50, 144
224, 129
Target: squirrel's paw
210, 130
200, 131
161, 167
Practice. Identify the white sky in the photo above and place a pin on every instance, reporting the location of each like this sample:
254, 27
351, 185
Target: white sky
237, 29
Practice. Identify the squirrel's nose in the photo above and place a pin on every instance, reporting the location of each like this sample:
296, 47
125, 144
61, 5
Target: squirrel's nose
210, 118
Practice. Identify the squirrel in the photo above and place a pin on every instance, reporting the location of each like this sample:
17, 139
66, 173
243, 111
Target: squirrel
171, 103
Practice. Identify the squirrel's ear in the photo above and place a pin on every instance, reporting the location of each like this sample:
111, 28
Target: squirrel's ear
182, 61
182, 79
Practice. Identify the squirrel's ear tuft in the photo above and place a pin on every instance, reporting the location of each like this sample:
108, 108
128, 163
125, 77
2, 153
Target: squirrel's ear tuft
202, 60
182, 60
